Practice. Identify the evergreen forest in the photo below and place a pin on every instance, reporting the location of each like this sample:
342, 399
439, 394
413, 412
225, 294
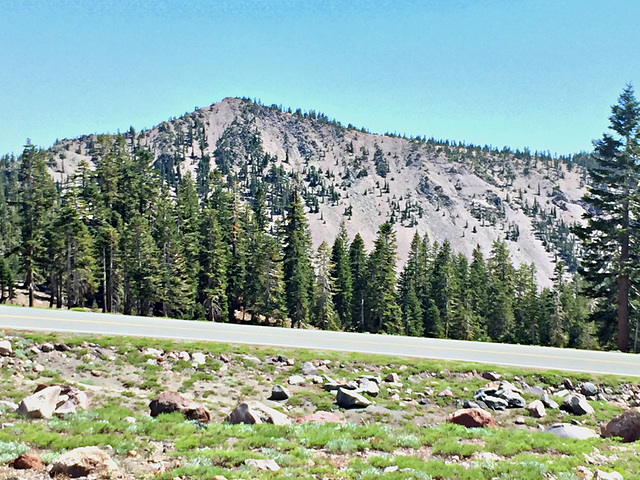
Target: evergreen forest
130, 235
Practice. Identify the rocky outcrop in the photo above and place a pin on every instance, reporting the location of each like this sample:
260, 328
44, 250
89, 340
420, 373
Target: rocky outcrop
41, 404
577, 405
84, 461
169, 402
472, 417
255, 412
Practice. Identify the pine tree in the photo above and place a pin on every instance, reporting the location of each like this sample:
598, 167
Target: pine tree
325, 314
443, 287
411, 279
476, 288
37, 196
212, 278
381, 308
500, 320
609, 261
358, 260
298, 271
341, 272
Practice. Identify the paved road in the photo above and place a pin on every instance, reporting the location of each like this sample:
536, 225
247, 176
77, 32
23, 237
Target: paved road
491, 353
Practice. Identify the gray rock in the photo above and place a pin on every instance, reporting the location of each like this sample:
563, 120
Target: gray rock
504, 385
308, 369
351, 399
547, 401
588, 389
494, 403
491, 376
373, 378
533, 390
46, 347
568, 384
199, 358
8, 406
258, 464
566, 430
514, 400
369, 387
392, 377
577, 405
470, 404
5, 348
278, 392
536, 409
295, 380
600, 475
41, 404
255, 412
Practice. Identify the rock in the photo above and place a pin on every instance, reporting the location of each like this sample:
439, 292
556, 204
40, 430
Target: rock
291, 361
568, 384
320, 417
169, 402
295, 380
199, 358
130, 420
600, 475
625, 426
446, 393
562, 393
513, 399
184, 355
508, 386
84, 461
351, 399
254, 412
35, 350
41, 404
317, 379
61, 347
5, 348
547, 401
278, 392
308, 369
536, 409
491, 376
588, 389
96, 373
27, 461
270, 465
491, 401
369, 387
47, 347
252, 358
566, 430
470, 404
392, 377
472, 417
154, 352
373, 378
533, 390
519, 420
8, 406
577, 405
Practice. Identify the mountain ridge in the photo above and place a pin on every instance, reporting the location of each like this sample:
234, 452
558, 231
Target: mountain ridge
465, 194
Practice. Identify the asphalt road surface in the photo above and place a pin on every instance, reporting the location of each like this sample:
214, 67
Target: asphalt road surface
36, 319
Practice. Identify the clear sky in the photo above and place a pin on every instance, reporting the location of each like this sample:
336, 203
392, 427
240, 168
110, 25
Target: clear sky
536, 73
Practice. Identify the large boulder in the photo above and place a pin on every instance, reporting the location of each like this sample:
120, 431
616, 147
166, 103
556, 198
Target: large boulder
625, 426
27, 461
255, 412
568, 430
84, 461
536, 409
169, 402
351, 399
577, 405
472, 417
41, 404
71, 398
513, 399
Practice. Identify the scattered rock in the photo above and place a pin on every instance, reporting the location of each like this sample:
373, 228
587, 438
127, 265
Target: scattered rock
41, 404
320, 417
295, 380
351, 399
392, 377
308, 369
368, 386
567, 430
491, 376
96, 373
253, 359
291, 361
472, 417
625, 426
519, 420
278, 392
533, 390
169, 402
5, 348
27, 461
199, 358
61, 347
577, 405
270, 465
255, 412
446, 393
600, 475
82, 462
154, 352
588, 389
184, 355
547, 401
8, 406
536, 409
513, 399
568, 384
47, 347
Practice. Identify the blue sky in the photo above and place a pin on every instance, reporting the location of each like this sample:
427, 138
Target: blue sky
535, 73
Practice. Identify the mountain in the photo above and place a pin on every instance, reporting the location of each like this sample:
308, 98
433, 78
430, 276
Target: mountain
465, 194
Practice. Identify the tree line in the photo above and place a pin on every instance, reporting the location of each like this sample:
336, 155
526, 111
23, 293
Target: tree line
118, 238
